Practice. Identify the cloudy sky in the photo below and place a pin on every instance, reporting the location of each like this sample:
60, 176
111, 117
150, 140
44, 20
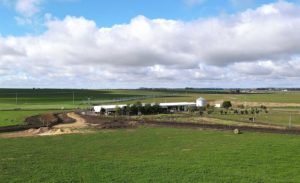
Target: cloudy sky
142, 43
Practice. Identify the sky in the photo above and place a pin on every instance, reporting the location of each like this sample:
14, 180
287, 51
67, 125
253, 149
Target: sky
142, 43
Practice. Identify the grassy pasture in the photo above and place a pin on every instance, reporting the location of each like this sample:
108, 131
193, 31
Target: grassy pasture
152, 155
273, 117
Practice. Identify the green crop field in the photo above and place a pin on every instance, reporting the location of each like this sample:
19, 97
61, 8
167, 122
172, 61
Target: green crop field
151, 155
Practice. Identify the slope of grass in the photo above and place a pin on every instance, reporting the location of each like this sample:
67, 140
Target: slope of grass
9, 118
152, 155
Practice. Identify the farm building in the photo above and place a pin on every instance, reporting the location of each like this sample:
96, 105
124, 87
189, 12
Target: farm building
107, 108
218, 105
179, 106
171, 107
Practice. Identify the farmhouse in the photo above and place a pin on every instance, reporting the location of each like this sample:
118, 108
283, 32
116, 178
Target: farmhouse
171, 107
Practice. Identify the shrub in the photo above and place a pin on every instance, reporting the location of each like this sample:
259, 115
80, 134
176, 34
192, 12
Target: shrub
226, 104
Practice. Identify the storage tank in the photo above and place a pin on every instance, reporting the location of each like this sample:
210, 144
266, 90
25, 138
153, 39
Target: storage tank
200, 102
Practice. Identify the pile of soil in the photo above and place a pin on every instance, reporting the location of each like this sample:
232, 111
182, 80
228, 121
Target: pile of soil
48, 120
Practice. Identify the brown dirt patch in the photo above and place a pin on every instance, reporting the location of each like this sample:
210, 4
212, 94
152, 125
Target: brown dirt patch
63, 128
268, 104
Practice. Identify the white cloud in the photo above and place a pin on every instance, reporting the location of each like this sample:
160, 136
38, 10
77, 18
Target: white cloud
28, 7
223, 51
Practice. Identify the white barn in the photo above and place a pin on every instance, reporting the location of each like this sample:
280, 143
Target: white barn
107, 108
172, 106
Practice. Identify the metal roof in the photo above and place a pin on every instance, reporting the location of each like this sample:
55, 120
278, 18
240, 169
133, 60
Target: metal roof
177, 104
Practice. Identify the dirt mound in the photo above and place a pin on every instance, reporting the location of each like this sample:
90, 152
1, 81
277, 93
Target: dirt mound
58, 131
45, 120
49, 119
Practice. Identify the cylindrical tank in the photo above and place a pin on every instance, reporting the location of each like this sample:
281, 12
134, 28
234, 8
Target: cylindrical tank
200, 102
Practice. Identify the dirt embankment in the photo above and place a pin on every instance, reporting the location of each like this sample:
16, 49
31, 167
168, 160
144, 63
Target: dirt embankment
49, 119
48, 124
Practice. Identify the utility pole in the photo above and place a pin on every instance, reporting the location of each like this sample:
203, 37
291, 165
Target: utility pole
73, 98
89, 101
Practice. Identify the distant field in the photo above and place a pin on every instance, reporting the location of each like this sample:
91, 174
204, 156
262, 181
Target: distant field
152, 155
57, 99
277, 97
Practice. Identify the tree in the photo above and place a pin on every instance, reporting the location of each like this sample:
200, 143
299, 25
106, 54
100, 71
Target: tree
118, 111
226, 104
192, 109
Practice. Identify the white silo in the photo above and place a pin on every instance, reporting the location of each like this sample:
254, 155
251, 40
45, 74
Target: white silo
200, 102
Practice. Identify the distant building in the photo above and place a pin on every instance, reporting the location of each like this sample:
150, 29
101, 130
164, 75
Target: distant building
107, 108
218, 105
177, 106
171, 107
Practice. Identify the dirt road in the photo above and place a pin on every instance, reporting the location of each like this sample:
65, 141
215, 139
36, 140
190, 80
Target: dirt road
80, 122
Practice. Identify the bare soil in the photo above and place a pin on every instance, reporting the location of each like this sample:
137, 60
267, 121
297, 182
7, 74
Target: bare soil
267, 104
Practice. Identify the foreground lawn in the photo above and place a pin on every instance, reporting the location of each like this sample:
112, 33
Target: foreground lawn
152, 155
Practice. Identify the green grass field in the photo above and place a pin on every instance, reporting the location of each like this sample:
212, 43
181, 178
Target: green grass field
152, 155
